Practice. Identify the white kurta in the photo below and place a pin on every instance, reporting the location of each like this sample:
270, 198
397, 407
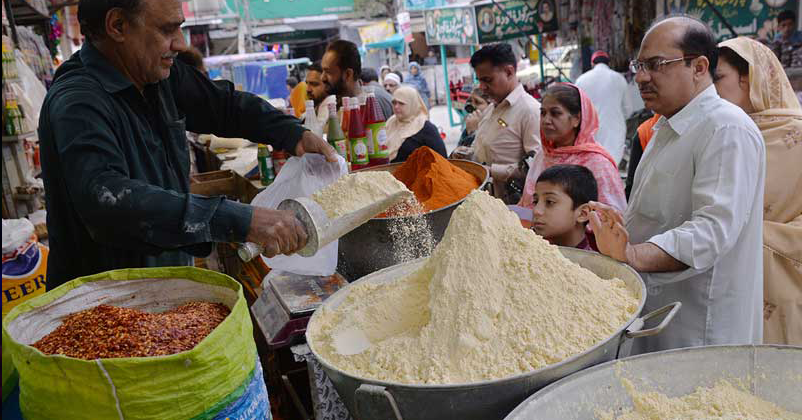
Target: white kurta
609, 92
698, 195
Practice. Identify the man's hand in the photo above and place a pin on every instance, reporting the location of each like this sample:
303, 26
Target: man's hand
608, 227
277, 231
311, 143
462, 152
472, 121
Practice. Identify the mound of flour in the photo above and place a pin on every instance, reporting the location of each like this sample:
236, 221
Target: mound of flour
354, 191
493, 300
723, 401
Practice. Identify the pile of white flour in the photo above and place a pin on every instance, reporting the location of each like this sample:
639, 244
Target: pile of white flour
354, 191
723, 401
493, 300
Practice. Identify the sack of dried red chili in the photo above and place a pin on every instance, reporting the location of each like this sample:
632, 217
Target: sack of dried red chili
220, 376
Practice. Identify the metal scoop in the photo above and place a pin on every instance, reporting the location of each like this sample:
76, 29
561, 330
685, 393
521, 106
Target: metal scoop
320, 231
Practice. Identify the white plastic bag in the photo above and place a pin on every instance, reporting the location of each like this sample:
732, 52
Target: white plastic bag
302, 177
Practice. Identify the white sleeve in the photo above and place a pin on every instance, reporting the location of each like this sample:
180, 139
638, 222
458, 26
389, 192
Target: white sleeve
727, 177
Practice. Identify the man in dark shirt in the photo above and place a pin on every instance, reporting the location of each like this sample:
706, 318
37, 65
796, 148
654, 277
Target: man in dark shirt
114, 152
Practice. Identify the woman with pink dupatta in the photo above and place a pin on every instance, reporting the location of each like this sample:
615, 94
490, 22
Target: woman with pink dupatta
568, 122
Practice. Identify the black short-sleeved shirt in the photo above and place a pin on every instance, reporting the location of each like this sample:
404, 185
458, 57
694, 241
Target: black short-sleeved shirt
429, 136
115, 165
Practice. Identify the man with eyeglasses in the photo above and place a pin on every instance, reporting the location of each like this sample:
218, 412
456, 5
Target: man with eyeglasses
693, 225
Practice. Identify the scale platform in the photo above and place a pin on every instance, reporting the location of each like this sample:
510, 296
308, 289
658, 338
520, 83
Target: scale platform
287, 303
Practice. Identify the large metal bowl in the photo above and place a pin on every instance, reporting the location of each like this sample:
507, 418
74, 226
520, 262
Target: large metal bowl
773, 373
368, 248
369, 399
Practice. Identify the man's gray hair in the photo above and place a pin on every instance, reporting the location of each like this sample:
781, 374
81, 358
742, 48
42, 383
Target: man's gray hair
92, 15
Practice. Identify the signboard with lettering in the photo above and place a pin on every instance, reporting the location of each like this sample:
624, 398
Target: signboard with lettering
451, 26
376, 32
747, 17
518, 19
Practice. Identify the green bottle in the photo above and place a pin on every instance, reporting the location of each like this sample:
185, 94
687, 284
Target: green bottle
335, 135
265, 165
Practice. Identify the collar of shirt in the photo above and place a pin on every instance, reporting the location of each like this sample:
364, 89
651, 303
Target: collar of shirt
691, 113
98, 66
514, 95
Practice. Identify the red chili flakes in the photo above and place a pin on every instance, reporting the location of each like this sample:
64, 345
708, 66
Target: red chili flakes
107, 331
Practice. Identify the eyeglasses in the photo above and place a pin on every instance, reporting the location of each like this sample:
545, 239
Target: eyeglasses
655, 64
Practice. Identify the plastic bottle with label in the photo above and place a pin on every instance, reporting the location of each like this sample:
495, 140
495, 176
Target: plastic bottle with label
335, 135
376, 132
357, 138
266, 174
310, 119
345, 118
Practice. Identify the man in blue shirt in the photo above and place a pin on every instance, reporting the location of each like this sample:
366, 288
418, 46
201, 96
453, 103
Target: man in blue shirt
787, 43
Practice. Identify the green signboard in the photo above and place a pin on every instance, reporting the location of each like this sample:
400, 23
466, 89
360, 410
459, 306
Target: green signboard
747, 17
274, 9
451, 26
518, 19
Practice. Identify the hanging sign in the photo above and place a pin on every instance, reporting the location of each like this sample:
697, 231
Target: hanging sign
519, 18
405, 26
451, 26
376, 32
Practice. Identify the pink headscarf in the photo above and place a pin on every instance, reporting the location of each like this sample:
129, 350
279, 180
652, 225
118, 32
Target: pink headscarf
586, 152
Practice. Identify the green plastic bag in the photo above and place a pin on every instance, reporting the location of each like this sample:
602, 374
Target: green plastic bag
180, 386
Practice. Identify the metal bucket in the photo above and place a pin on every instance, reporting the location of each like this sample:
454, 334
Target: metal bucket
368, 248
773, 373
369, 399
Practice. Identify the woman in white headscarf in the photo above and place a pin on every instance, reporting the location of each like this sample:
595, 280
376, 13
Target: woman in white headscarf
409, 128
384, 71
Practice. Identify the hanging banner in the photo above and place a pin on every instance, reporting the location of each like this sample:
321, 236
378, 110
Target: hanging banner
376, 32
519, 18
405, 26
451, 26
754, 17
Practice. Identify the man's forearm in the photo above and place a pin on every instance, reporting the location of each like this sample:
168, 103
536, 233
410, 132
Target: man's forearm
648, 257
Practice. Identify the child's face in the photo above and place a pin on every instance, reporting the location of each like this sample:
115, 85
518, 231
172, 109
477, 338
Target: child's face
554, 215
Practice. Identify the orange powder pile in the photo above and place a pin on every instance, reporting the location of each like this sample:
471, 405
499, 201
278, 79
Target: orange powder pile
435, 181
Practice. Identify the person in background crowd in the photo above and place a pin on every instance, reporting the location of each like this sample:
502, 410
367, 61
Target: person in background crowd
608, 90
410, 128
114, 155
479, 101
384, 71
342, 67
371, 79
560, 206
693, 228
750, 76
643, 134
568, 124
431, 59
787, 44
391, 82
417, 81
318, 92
297, 98
193, 58
510, 129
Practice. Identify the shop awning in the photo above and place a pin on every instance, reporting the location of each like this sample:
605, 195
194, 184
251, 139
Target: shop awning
395, 42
